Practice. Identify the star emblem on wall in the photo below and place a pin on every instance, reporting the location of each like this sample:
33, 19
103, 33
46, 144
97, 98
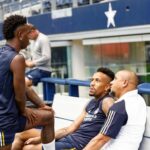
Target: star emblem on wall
110, 14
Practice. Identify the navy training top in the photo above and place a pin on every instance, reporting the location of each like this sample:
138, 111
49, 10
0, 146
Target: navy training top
91, 125
8, 106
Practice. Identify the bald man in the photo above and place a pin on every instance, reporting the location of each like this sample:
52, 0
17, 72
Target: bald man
125, 124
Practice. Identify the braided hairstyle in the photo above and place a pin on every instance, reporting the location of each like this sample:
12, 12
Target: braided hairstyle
107, 72
11, 24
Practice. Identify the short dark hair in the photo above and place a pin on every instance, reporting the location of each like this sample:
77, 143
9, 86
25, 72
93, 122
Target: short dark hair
11, 24
107, 71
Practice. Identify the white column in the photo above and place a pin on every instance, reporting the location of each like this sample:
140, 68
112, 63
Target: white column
91, 1
74, 3
78, 67
53, 4
78, 60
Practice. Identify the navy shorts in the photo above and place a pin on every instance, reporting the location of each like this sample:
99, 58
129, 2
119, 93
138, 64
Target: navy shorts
64, 144
7, 135
36, 74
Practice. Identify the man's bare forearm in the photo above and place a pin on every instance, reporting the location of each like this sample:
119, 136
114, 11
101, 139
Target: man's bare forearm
61, 133
34, 98
97, 142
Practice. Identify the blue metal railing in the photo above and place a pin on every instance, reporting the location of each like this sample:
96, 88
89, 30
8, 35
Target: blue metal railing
144, 88
49, 87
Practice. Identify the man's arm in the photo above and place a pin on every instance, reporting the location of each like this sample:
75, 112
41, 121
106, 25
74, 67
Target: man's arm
34, 98
107, 103
18, 69
29, 63
97, 142
72, 128
116, 118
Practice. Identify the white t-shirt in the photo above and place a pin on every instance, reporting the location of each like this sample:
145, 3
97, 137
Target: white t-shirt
125, 123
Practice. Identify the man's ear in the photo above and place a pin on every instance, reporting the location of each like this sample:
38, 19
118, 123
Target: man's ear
107, 88
20, 31
18, 34
125, 83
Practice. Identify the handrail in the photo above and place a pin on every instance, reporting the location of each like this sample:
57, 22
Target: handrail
144, 88
49, 88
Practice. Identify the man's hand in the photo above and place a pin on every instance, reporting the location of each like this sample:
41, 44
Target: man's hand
30, 114
45, 107
35, 140
29, 63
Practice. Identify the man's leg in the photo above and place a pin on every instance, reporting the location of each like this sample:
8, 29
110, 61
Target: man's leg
32, 147
63, 144
21, 138
30, 76
34, 76
46, 120
28, 82
43, 118
48, 136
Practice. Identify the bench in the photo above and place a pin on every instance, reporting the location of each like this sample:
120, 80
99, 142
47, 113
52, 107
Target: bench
67, 109
145, 144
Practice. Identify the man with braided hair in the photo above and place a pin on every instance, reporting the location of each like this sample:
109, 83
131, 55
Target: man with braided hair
14, 115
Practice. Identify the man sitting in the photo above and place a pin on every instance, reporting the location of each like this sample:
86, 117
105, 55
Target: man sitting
125, 124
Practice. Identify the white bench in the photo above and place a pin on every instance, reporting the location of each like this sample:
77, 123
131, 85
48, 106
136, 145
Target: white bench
145, 144
67, 109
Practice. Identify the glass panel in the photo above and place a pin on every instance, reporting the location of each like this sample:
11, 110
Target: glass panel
133, 56
61, 62
116, 56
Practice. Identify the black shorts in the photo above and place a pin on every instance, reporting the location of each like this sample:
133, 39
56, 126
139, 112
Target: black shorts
7, 135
